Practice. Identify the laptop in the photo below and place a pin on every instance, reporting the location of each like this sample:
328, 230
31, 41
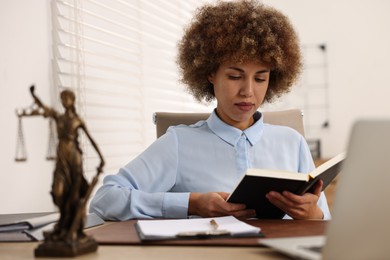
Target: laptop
360, 225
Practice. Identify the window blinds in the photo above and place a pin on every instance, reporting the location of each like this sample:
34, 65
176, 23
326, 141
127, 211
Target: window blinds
119, 58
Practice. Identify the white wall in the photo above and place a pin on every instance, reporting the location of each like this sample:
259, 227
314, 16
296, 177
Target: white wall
25, 56
358, 38
355, 31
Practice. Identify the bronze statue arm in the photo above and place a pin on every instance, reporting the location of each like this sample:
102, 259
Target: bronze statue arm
37, 108
36, 99
100, 167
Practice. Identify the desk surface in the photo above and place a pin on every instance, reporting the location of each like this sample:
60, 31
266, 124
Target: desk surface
11, 251
124, 233
134, 250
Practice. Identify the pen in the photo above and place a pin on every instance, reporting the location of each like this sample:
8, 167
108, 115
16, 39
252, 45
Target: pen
204, 234
214, 224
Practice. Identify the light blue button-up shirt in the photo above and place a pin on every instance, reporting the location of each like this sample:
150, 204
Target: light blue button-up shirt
209, 156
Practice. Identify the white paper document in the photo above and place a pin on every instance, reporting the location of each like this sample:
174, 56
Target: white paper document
176, 228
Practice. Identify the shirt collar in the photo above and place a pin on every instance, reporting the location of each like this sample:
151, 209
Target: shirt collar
231, 134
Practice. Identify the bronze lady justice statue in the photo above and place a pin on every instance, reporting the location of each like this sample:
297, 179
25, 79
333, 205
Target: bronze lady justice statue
70, 190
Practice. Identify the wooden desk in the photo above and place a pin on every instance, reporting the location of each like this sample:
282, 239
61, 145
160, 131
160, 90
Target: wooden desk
12, 251
131, 247
124, 233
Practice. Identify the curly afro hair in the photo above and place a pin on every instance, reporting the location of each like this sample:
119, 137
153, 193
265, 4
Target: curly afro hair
238, 31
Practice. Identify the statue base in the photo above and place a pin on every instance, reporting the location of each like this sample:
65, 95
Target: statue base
65, 249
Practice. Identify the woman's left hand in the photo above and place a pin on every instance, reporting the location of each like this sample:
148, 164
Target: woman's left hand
296, 206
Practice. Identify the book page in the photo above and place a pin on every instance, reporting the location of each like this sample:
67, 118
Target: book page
328, 165
280, 174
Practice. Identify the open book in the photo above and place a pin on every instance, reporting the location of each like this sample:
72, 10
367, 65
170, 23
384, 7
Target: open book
256, 183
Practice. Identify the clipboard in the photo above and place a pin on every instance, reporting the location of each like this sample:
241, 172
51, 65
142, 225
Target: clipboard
196, 228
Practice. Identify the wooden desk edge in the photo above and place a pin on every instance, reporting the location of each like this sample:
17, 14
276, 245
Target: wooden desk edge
124, 233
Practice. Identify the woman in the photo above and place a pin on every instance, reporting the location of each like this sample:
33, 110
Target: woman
241, 54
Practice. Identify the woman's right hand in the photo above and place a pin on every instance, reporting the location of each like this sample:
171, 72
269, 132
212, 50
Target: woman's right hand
214, 204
